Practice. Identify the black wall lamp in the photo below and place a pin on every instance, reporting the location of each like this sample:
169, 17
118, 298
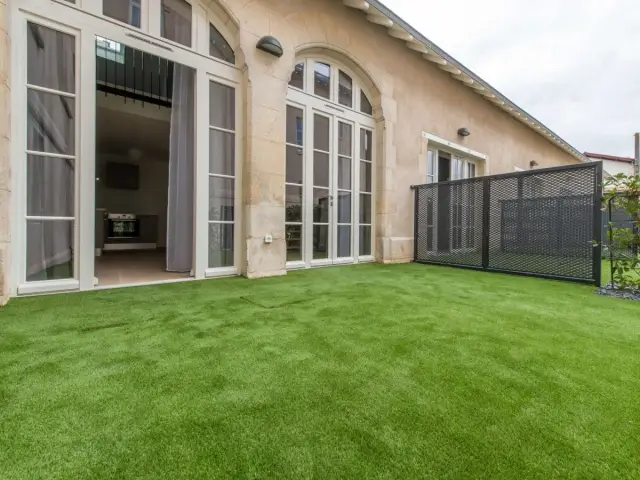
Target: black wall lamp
463, 132
270, 45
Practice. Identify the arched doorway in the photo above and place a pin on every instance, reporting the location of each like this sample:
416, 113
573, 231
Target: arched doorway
68, 55
330, 170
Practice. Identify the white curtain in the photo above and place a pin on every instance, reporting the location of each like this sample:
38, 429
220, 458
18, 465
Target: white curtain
50, 128
181, 172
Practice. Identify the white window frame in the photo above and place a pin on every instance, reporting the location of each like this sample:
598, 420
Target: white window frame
437, 144
86, 22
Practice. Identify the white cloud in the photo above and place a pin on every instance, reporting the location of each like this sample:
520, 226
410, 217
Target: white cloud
573, 64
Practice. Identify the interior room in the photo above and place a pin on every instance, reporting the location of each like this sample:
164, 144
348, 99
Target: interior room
144, 167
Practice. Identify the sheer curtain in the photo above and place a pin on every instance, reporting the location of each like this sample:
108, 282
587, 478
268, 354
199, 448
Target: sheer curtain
50, 179
181, 172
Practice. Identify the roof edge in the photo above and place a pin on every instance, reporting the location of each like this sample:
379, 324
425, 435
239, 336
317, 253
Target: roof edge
467, 76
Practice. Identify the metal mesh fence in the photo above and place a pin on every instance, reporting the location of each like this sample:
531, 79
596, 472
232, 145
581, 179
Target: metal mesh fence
541, 222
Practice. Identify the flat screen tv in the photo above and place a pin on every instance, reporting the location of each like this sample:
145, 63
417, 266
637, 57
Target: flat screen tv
123, 176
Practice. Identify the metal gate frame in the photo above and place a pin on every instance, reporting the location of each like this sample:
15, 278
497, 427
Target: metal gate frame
596, 221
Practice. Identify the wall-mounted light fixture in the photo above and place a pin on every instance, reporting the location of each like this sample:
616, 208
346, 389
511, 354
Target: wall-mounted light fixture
270, 45
533, 164
463, 132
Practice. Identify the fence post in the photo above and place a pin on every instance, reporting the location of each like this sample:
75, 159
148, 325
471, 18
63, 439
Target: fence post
597, 225
486, 197
416, 207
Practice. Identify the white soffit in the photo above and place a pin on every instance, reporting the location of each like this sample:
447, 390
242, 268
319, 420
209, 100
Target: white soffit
379, 14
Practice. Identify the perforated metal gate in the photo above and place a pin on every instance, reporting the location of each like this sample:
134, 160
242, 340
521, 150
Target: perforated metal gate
544, 222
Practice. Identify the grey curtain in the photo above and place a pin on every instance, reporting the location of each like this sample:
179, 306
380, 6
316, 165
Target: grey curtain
181, 172
50, 180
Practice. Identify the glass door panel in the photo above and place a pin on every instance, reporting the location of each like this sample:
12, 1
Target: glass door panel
366, 192
322, 195
50, 159
343, 190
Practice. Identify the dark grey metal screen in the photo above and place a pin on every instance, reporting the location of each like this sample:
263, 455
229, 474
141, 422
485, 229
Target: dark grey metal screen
540, 222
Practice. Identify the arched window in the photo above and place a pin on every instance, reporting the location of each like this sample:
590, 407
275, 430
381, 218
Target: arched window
219, 47
345, 94
329, 166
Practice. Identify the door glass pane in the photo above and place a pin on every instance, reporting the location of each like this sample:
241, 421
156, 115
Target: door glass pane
320, 242
365, 176
221, 199
294, 165
293, 235
176, 21
50, 187
345, 89
293, 204
344, 173
431, 166
222, 152
297, 76
344, 241
51, 59
295, 125
127, 11
366, 144
344, 207
472, 170
321, 133
365, 105
365, 208
345, 139
321, 201
49, 250
50, 123
219, 47
322, 80
221, 245
365, 240
222, 106
321, 169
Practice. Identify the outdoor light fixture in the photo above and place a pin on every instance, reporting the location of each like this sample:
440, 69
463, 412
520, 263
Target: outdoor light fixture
270, 45
463, 132
533, 164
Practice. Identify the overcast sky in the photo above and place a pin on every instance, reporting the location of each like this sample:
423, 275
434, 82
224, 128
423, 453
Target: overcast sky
572, 64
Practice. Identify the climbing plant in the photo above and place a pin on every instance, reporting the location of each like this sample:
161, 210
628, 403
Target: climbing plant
622, 192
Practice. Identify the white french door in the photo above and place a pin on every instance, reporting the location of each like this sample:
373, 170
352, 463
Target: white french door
329, 219
65, 34
332, 195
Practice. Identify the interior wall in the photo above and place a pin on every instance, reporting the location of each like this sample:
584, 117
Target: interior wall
150, 199
121, 126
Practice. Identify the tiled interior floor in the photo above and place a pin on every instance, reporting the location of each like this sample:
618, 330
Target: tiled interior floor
118, 268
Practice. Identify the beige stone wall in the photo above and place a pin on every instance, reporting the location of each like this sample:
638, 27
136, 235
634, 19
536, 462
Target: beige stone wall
409, 96
5, 154
413, 96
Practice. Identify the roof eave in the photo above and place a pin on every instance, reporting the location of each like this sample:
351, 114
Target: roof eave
381, 15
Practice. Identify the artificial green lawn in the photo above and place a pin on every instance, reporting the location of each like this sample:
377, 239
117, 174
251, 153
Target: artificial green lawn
371, 371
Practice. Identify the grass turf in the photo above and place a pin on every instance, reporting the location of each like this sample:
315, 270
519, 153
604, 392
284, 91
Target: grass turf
371, 371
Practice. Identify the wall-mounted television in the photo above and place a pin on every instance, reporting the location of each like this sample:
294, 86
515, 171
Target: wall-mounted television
123, 176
